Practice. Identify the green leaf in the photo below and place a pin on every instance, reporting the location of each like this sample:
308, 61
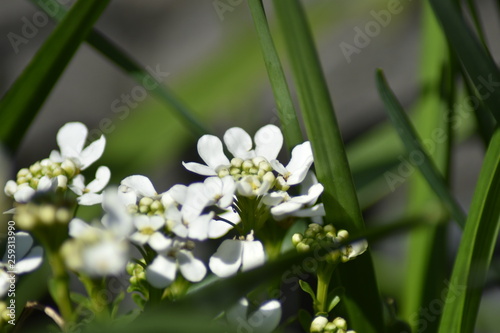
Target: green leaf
334, 298
307, 288
289, 123
413, 146
341, 204
476, 247
479, 65
22, 102
305, 319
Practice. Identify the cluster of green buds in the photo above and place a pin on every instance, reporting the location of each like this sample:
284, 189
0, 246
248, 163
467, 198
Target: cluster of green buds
254, 175
64, 172
138, 282
317, 236
321, 324
147, 206
34, 215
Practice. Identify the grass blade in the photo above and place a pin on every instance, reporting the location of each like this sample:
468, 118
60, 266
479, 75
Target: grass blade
476, 247
286, 111
21, 103
479, 65
120, 58
362, 299
413, 146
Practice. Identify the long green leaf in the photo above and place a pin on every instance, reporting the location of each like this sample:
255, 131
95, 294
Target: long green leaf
21, 103
480, 67
111, 51
426, 261
476, 247
414, 147
362, 299
286, 111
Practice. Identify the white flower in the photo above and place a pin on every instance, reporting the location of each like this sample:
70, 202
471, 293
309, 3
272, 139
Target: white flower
88, 195
149, 231
219, 191
71, 139
189, 222
219, 226
283, 205
24, 192
264, 320
94, 251
268, 143
117, 219
296, 170
24, 260
354, 249
176, 255
235, 253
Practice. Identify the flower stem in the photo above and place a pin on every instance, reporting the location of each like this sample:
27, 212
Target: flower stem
324, 273
59, 287
97, 292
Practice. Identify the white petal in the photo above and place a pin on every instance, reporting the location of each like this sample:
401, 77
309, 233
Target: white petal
102, 176
191, 268
78, 184
285, 208
159, 242
78, 227
178, 193
278, 167
195, 201
211, 151
274, 198
238, 142
161, 272
71, 139
139, 238
56, 157
300, 163
141, 185
268, 142
198, 228
311, 197
89, 199
45, 183
237, 314
156, 222
31, 261
4, 283
24, 194
228, 191
107, 257
93, 152
314, 211
266, 318
253, 255
227, 260
199, 169
212, 187
218, 228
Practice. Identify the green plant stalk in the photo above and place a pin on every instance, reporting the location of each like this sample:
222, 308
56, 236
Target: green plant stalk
95, 289
362, 298
286, 111
427, 251
21, 103
59, 286
324, 275
413, 144
476, 247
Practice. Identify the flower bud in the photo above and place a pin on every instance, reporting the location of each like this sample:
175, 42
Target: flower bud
10, 188
247, 165
269, 177
69, 167
318, 324
302, 247
23, 172
237, 162
340, 323
297, 238
47, 214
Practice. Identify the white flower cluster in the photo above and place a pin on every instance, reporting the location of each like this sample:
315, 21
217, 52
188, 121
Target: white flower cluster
62, 169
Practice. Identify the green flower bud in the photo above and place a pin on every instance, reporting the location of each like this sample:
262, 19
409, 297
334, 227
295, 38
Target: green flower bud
297, 238
35, 168
302, 247
318, 324
23, 172
340, 323
69, 168
237, 162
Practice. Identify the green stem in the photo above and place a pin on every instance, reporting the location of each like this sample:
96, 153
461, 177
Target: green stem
96, 289
324, 278
59, 286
